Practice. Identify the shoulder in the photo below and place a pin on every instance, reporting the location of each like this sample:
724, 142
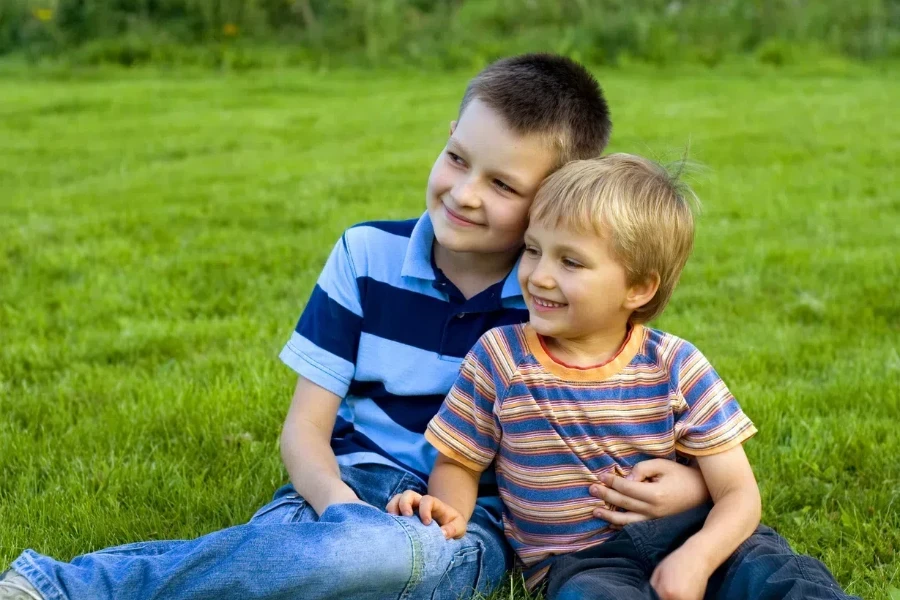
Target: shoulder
501, 349
378, 241
370, 233
668, 351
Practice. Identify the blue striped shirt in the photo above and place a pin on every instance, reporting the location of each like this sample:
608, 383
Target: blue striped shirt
387, 331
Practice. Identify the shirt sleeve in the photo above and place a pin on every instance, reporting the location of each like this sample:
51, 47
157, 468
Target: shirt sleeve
466, 428
708, 419
324, 344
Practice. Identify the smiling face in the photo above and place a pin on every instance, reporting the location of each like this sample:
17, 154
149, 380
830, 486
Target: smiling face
573, 285
483, 182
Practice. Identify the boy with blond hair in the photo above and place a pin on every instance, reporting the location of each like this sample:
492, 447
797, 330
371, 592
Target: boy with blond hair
586, 389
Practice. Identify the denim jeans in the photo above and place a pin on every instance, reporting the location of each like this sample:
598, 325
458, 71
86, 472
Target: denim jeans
287, 551
762, 568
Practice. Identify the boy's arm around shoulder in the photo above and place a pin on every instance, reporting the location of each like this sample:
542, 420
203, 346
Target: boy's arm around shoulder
306, 447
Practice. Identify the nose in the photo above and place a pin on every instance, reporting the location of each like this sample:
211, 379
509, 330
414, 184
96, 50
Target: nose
542, 276
465, 194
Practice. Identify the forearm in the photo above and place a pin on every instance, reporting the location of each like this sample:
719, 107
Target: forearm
312, 466
455, 485
733, 518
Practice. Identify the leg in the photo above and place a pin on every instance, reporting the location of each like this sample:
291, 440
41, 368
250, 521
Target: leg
766, 568
286, 551
614, 570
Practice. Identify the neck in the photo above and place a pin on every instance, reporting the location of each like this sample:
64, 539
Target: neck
591, 350
474, 266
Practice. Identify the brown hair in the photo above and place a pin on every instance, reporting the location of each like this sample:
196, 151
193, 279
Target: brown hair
642, 209
549, 95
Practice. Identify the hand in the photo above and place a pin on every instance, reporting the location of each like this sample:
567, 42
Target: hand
654, 488
451, 521
680, 576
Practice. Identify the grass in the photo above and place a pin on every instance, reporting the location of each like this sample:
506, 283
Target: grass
159, 234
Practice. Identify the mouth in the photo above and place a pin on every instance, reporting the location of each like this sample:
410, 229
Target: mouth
458, 218
542, 304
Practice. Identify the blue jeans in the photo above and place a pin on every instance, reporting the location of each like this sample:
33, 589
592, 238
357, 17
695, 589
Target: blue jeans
287, 551
762, 568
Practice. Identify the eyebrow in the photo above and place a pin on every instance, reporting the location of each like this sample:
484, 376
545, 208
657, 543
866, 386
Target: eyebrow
560, 248
508, 178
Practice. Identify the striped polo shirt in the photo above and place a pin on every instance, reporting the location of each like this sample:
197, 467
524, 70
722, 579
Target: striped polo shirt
385, 330
552, 429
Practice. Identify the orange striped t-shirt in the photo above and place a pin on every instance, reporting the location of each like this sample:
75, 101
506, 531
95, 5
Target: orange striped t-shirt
552, 430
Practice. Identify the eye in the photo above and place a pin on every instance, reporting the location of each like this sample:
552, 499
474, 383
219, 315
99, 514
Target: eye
532, 251
503, 187
571, 264
455, 158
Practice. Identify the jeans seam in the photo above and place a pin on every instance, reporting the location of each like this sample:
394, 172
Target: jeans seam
26, 567
415, 575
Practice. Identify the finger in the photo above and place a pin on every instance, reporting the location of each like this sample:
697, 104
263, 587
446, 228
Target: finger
617, 498
409, 501
426, 507
619, 519
648, 469
442, 512
455, 529
641, 491
393, 505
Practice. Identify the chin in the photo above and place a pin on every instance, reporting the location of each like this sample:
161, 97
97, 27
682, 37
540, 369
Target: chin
541, 326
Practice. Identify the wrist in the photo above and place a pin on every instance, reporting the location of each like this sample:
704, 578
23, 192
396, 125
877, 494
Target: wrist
704, 551
340, 493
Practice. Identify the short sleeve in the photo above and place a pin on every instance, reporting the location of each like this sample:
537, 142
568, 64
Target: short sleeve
466, 428
324, 344
708, 419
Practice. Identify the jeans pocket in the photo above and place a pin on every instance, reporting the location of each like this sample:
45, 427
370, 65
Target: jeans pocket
289, 508
462, 579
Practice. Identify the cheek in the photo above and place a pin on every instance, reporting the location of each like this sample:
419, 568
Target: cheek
439, 179
511, 217
523, 273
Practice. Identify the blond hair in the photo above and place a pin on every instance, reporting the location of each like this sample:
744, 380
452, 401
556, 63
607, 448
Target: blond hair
642, 209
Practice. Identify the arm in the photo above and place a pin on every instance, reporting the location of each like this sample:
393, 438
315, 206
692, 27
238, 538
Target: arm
734, 517
454, 484
306, 447
452, 492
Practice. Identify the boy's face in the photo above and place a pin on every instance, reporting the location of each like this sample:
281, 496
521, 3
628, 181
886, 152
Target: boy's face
573, 285
483, 183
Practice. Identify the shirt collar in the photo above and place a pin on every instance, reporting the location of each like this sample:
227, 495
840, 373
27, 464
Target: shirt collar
511, 288
417, 262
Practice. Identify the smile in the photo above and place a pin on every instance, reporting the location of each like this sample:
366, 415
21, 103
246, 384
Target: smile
457, 218
546, 303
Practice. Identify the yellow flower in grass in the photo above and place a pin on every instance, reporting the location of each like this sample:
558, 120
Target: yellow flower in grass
230, 29
43, 14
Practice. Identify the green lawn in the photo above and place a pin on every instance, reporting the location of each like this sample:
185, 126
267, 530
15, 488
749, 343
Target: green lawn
160, 233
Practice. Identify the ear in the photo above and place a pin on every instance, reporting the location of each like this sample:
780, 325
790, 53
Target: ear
452, 127
642, 292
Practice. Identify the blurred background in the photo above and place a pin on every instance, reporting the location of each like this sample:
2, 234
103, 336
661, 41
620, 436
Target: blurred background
445, 33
